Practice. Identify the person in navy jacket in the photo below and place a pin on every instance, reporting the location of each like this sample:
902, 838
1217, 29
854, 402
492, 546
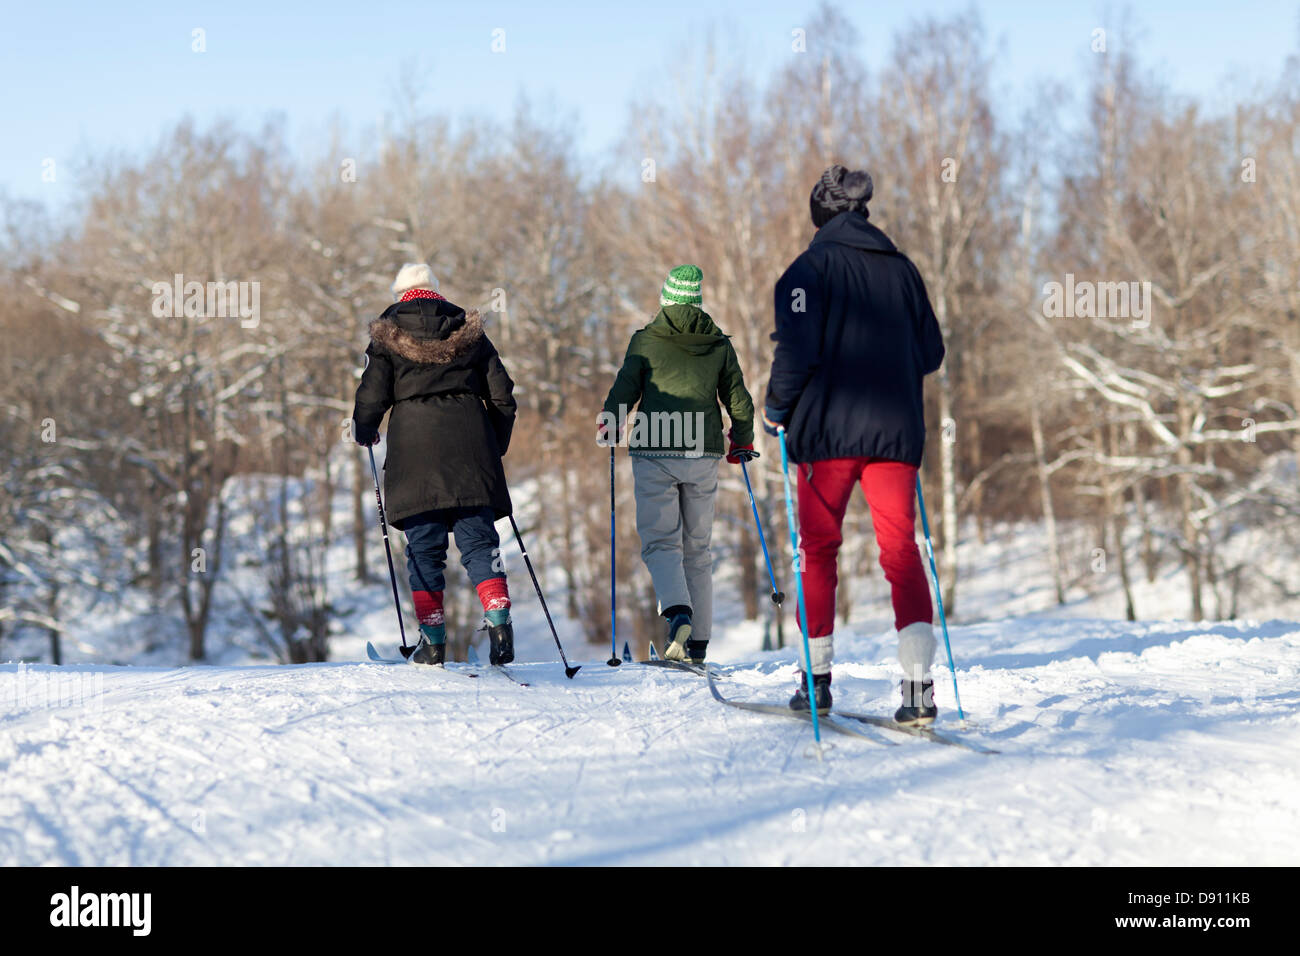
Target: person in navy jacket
855, 335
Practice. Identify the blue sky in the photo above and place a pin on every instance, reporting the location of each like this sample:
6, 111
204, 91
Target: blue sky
80, 78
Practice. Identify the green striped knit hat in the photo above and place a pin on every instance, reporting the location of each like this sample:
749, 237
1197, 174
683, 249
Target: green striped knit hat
682, 287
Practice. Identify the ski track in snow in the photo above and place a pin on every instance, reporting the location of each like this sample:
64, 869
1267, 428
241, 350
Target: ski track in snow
1122, 744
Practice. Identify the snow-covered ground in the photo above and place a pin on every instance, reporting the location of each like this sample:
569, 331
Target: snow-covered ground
1150, 743
1156, 742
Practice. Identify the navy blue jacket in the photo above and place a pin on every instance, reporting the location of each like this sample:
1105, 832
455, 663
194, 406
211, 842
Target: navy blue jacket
855, 334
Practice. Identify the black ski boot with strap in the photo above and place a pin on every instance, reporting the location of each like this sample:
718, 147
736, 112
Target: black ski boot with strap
918, 708
821, 687
501, 643
429, 653
696, 651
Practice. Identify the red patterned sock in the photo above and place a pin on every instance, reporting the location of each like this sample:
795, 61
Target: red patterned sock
428, 607
494, 594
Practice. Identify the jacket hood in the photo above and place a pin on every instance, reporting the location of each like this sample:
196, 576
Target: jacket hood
428, 331
689, 328
853, 229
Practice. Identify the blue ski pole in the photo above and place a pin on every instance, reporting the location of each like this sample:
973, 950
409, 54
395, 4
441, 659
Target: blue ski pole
938, 595
777, 596
798, 578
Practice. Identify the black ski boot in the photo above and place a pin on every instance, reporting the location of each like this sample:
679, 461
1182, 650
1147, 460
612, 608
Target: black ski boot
918, 708
679, 632
428, 653
501, 643
821, 687
696, 650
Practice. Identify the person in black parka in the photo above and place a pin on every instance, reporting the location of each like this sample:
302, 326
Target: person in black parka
855, 335
452, 414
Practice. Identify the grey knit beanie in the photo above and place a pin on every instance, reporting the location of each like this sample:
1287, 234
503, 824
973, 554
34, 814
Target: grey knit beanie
840, 190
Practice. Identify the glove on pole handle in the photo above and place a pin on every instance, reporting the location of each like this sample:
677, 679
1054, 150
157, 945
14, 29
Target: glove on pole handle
938, 595
388, 551
613, 555
777, 596
568, 671
798, 578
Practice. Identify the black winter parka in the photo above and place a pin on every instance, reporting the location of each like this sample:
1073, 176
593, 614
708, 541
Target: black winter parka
453, 409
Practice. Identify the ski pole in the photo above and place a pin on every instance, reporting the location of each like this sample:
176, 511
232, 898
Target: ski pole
388, 550
938, 595
798, 579
568, 671
613, 617
777, 596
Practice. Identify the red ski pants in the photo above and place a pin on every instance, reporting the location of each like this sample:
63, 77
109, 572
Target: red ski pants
890, 488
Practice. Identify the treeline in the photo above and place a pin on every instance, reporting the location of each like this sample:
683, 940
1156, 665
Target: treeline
1151, 396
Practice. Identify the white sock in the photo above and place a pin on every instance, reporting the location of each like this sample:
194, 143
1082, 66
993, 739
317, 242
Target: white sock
916, 646
822, 652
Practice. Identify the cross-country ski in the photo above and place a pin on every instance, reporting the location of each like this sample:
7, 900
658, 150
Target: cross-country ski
924, 733
778, 710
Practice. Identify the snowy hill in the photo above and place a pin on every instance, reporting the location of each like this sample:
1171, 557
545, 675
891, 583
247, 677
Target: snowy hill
1118, 742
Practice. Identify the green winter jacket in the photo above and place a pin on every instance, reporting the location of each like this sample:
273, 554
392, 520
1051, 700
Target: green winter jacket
678, 368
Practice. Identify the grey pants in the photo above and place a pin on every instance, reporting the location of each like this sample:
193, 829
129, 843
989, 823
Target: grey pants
674, 517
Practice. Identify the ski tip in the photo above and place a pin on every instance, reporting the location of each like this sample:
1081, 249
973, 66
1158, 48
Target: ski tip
627, 653
570, 671
654, 654
471, 655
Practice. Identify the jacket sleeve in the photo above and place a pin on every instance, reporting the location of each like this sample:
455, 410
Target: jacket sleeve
929, 337
736, 400
498, 396
800, 321
629, 383
375, 393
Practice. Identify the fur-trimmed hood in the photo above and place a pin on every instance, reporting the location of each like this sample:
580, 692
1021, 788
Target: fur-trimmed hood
427, 331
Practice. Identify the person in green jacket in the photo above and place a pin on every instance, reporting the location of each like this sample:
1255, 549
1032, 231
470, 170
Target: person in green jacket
676, 371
